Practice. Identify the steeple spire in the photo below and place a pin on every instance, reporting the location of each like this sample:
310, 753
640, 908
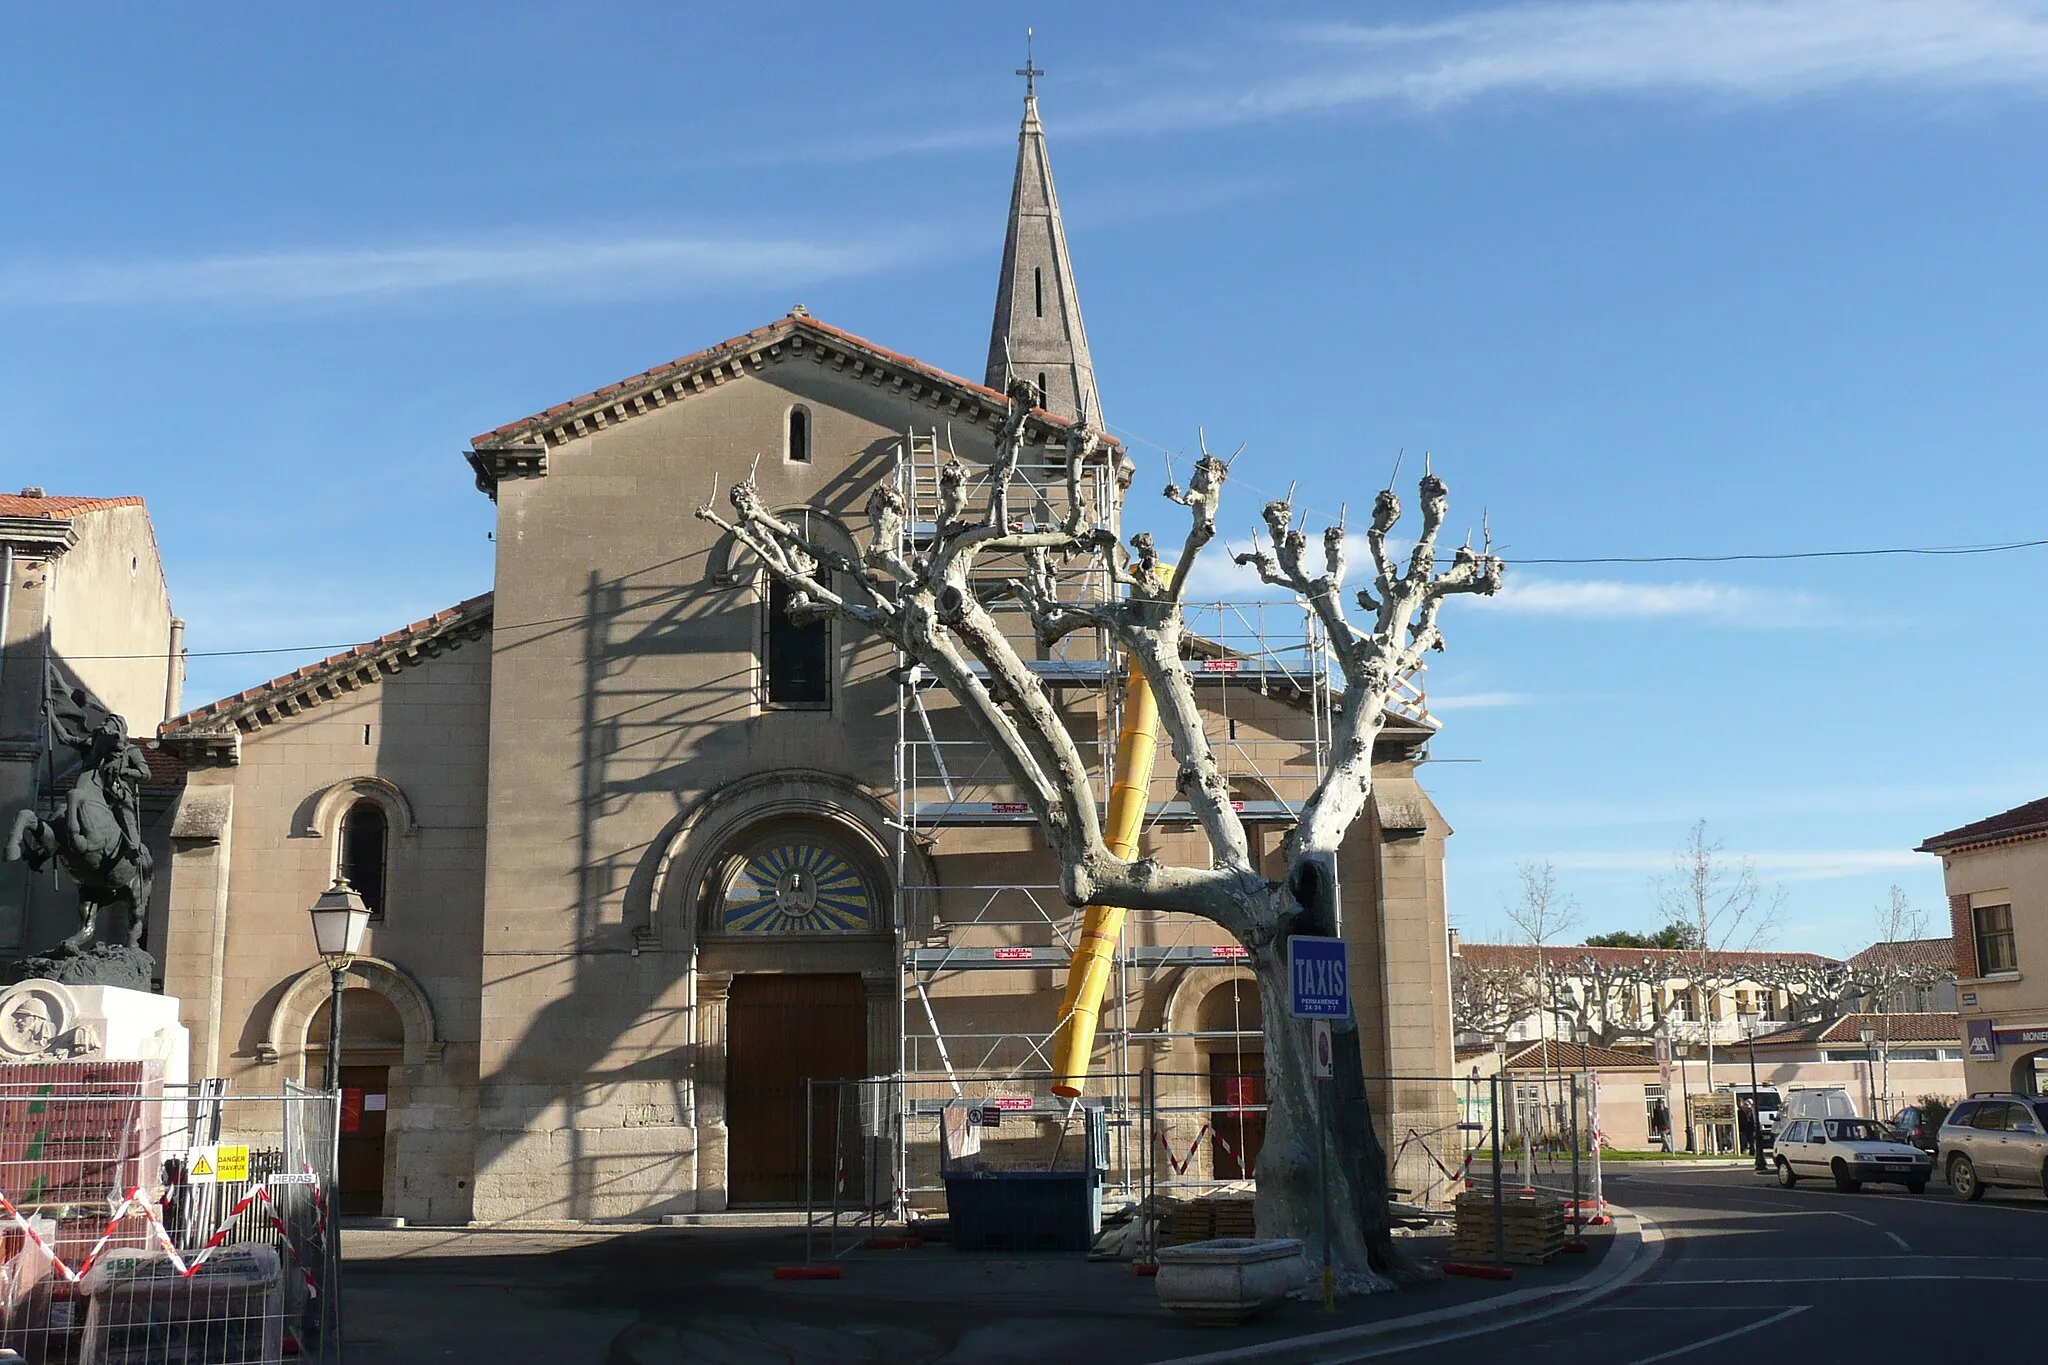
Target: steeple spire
1038, 335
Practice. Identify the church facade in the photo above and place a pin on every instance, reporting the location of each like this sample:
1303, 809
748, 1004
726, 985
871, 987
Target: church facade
644, 853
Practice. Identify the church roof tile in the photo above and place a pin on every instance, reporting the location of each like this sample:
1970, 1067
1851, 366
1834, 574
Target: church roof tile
557, 424
252, 708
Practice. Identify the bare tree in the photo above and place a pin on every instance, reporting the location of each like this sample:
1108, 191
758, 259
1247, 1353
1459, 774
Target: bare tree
1541, 913
1722, 898
928, 604
1489, 1000
1888, 968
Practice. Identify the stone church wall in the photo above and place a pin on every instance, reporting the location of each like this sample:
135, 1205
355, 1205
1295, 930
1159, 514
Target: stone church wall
245, 876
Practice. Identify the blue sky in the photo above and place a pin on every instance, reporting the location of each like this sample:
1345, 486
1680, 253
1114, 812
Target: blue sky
1675, 277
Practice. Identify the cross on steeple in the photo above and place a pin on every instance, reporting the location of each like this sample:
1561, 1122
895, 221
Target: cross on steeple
1030, 71
1037, 336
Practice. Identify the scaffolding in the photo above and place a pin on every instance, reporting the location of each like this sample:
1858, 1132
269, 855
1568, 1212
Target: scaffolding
1250, 661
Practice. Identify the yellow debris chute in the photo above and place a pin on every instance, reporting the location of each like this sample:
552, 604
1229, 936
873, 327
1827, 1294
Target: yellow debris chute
1073, 1043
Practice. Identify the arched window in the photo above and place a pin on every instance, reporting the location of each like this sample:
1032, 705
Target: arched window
364, 838
1044, 394
799, 436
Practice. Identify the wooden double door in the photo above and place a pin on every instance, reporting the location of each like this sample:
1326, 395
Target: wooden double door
780, 1031
365, 1106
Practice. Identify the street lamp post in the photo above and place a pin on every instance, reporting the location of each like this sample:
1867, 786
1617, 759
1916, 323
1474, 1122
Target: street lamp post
1869, 1036
1756, 1122
339, 919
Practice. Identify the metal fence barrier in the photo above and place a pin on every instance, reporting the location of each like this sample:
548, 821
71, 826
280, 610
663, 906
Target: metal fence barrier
148, 1224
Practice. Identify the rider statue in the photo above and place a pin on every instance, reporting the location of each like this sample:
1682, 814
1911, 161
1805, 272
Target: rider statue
97, 832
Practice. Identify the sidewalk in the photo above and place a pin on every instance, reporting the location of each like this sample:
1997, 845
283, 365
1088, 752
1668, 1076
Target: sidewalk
663, 1296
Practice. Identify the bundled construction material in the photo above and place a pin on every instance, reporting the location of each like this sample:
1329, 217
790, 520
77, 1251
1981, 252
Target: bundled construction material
1204, 1220
1533, 1227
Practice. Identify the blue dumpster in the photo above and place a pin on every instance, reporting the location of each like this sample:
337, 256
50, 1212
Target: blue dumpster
1024, 1210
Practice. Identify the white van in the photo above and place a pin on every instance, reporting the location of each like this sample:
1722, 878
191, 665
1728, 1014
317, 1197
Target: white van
1817, 1102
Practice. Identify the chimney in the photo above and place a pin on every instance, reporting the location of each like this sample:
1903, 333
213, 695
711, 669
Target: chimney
174, 674
32, 491
1456, 944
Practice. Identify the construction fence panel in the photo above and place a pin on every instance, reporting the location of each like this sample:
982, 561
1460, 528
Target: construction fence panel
146, 1223
1547, 1137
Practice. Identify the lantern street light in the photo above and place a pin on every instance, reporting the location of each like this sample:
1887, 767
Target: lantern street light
339, 919
1869, 1036
1750, 1020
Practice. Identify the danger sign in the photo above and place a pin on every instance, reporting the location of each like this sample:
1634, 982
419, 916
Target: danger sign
211, 1165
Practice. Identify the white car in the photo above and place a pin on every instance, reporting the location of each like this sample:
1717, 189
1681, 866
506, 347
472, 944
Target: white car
1851, 1152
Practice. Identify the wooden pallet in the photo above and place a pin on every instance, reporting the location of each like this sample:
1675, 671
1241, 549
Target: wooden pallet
1532, 1226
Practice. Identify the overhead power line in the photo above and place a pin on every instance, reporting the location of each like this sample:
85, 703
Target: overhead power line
1890, 550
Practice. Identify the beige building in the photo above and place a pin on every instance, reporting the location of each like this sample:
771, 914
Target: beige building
645, 854
83, 599
1996, 870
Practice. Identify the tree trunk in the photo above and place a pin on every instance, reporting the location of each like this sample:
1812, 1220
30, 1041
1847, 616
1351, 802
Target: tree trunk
1320, 1143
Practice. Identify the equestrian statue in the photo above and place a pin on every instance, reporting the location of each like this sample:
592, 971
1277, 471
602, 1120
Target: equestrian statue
96, 831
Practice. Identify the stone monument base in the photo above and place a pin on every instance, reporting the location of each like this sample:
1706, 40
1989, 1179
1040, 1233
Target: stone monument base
44, 1020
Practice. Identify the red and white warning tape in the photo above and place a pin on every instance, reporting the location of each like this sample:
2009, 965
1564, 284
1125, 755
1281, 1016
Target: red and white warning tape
133, 1202
1180, 1164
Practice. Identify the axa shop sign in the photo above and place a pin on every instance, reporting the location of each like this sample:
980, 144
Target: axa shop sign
1986, 1038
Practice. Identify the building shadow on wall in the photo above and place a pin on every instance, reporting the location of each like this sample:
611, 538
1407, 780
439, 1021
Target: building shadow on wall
643, 739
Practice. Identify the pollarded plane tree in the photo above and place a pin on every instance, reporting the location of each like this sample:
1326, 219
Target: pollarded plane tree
930, 603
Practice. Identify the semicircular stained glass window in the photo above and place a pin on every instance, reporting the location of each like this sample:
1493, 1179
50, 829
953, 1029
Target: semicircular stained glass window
795, 886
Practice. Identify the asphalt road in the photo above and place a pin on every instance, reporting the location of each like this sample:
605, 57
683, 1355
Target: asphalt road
1750, 1270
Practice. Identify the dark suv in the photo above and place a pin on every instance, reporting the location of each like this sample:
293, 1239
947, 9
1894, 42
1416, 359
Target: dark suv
1912, 1126
1995, 1140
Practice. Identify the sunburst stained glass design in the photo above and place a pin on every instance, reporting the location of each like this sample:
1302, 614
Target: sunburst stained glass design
796, 888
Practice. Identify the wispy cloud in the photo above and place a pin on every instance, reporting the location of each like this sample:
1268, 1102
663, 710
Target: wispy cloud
1479, 701
1757, 48
1726, 49
1607, 599
585, 264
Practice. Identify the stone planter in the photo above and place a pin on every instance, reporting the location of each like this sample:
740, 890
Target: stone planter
1230, 1280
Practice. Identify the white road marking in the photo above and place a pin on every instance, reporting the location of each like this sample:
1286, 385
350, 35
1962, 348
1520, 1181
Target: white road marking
1867, 1223
1725, 1336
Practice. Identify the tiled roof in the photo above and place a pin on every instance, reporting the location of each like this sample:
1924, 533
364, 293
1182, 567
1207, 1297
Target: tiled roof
734, 350
1929, 1026
57, 509
1553, 1055
1566, 957
1938, 953
463, 617
2021, 822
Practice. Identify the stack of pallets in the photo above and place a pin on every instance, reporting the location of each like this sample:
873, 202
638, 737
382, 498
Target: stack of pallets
1203, 1220
1533, 1225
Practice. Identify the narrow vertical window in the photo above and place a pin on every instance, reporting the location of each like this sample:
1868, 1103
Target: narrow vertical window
1044, 394
799, 657
363, 839
1038, 291
799, 436
1995, 950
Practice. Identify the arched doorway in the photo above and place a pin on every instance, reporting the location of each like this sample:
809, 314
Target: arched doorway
1231, 1029
793, 909
373, 1041
2030, 1074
